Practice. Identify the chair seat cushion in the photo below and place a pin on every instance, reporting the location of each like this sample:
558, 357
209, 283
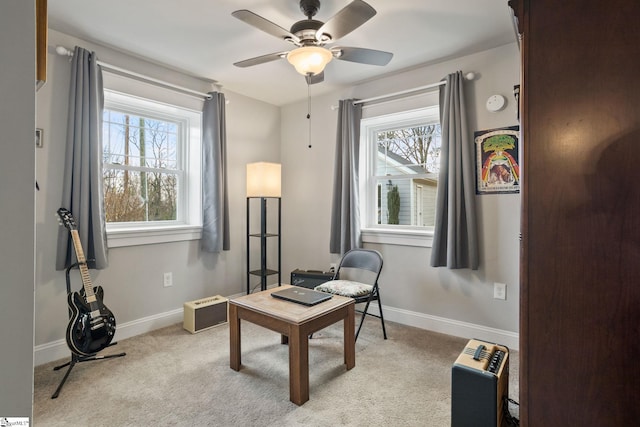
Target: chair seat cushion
347, 288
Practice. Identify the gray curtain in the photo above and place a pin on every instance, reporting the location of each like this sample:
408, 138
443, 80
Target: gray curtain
82, 191
345, 215
455, 240
215, 200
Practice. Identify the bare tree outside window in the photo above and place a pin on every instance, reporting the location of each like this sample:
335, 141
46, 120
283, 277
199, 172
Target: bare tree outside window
407, 167
140, 167
418, 146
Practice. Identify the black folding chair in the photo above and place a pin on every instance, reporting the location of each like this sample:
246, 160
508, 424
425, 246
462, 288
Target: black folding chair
358, 273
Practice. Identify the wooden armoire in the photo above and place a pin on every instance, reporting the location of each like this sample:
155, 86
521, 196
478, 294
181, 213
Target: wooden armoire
580, 249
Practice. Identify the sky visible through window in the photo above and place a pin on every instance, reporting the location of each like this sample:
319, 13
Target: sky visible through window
410, 150
139, 141
406, 171
141, 167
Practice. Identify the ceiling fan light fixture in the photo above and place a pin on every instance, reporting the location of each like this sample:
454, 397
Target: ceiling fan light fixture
309, 60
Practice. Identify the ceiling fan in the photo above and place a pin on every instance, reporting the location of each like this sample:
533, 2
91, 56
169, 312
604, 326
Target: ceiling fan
310, 36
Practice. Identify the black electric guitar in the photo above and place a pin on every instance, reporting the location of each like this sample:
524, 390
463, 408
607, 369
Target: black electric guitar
92, 324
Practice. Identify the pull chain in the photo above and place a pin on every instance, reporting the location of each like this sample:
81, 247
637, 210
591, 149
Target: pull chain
309, 108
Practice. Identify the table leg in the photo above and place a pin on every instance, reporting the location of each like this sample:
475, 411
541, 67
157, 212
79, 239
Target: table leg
298, 365
350, 337
234, 338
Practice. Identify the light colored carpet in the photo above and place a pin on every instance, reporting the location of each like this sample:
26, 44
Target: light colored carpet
170, 377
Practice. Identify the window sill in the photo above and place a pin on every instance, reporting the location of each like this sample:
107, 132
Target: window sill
149, 236
423, 239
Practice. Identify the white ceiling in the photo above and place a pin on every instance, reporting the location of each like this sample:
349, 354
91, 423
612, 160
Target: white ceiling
201, 38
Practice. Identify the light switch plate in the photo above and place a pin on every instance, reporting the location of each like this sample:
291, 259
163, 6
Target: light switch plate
499, 290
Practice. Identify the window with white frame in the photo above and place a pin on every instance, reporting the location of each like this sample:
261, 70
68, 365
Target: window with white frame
151, 170
401, 163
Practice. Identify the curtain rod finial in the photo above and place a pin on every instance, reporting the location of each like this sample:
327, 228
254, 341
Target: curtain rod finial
61, 50
470, 76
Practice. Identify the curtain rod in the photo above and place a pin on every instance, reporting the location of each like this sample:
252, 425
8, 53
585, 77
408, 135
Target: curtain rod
61, 50
468, 76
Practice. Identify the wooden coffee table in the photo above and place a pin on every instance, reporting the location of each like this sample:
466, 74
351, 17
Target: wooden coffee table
295, 322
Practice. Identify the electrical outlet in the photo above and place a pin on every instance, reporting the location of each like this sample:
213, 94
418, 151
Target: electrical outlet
168, 279
499, 290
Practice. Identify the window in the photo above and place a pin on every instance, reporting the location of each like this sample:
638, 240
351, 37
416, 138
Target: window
400, 180
151, 170
142, 169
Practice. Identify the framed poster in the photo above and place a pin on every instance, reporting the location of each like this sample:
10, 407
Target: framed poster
497, 169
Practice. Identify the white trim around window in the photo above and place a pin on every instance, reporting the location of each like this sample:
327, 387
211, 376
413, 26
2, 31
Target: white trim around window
371, 232
189, 223
404, 237
149, 236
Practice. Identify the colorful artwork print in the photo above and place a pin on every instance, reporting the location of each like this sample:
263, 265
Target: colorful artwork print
497, 169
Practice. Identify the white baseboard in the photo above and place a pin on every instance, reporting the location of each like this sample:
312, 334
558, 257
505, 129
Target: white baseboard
55, 350
453, 327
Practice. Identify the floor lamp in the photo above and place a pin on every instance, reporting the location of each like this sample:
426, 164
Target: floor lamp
263, 182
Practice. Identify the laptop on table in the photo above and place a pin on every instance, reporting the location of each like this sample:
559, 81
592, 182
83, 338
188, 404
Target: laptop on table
301, 295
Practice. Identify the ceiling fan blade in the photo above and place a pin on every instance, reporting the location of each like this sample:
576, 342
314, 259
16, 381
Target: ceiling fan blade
346, 20
318, 78
361, 55
265, 25
261, 59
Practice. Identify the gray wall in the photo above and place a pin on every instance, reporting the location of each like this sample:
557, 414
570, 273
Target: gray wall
133, 281
17, 171
415, 293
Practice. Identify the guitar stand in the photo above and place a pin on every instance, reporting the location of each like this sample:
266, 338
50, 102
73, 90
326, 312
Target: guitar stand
74, 357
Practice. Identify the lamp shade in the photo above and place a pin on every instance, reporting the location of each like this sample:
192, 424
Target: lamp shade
263, 179
309, 59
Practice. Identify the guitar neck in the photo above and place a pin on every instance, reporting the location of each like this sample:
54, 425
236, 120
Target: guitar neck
82, 264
